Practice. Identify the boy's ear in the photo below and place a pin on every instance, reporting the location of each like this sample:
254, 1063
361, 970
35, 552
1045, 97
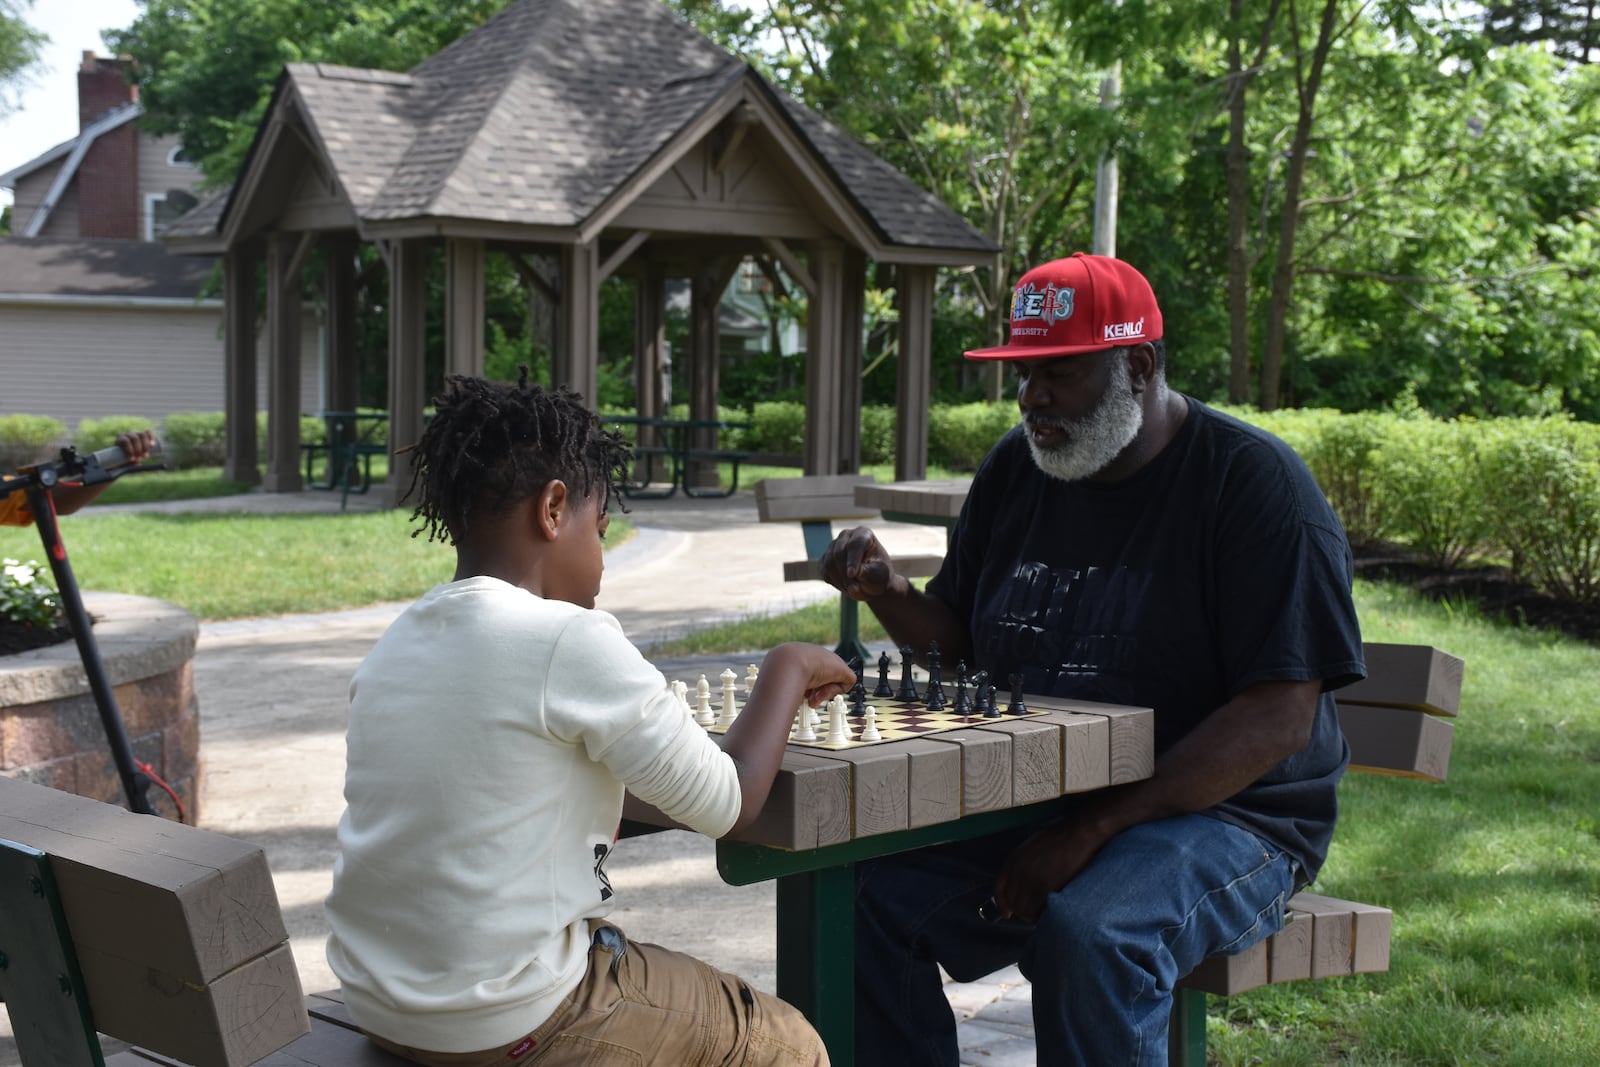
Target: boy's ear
550, 507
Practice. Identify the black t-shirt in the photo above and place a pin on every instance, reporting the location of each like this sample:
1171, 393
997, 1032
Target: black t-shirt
1216, 566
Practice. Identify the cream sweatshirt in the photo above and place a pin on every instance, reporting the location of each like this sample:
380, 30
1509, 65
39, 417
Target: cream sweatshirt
491, 734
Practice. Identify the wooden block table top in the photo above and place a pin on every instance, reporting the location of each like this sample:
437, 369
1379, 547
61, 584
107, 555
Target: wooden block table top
934, 499
828, 796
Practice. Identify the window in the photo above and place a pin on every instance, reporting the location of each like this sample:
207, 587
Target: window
163, 209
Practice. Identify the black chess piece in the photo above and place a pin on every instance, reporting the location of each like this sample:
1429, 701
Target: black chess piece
908, 683
883, 688
984, 704
991, 710
858, 692
1016, 707
936, 699
962, 705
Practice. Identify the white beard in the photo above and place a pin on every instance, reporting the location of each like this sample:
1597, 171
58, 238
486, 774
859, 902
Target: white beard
1097, 438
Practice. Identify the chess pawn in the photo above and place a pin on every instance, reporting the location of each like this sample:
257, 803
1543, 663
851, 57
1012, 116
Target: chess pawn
702, 705
750, 673
730, 699
869, 732
908, 682
680, 693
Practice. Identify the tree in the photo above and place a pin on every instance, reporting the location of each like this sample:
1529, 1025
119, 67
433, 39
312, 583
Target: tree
19, 49
1570, 27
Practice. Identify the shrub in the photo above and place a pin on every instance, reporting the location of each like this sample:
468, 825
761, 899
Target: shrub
27, 439
1424, 479
195, 439
95, 434
26, 596
1540, 487
877, 434
960, 435
777, 426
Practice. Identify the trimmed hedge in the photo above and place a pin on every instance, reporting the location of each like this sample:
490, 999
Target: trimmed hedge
27, 439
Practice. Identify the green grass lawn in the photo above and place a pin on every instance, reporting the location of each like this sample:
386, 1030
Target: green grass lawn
221, 565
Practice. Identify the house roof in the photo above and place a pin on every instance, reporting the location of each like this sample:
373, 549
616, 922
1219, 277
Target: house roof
40, 266
542, 115
74, 150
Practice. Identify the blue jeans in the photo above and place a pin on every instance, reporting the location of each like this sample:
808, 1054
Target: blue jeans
1103, 957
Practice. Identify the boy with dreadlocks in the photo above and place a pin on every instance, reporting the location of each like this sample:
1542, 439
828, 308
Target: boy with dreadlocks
492, 731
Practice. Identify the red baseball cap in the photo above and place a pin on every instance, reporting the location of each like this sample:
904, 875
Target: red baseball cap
1083, 303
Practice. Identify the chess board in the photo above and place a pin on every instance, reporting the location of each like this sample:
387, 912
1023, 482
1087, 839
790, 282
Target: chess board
897, 720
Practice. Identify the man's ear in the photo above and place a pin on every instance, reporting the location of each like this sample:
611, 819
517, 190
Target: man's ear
1142, 366
550, 507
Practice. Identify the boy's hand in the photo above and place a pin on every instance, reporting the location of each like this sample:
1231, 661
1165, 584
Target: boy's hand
826, 674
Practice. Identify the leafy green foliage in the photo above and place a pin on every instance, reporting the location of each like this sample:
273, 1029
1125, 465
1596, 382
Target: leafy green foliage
27, 438
960, 435
26, 596
1543, 501
95, 434
195, 439
19, 49
1425, 476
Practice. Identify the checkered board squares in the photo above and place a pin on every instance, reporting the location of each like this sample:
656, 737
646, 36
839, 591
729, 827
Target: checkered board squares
897, 721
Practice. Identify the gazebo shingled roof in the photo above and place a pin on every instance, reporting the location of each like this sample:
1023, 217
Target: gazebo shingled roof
547, 126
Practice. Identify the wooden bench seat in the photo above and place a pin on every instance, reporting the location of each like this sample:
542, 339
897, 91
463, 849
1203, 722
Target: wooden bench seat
1397, 722
816, 502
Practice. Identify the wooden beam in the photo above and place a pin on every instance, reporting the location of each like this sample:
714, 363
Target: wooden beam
792, 264
620, 256
740, 120
913, 373
464, 306
239, 363
283, 362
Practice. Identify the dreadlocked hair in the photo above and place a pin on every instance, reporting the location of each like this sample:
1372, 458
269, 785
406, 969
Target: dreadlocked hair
490, 445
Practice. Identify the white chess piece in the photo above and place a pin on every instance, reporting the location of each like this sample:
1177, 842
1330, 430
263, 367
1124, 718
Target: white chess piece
730, 699
680, 690
869, 732
703, 713
750, 673
804, 725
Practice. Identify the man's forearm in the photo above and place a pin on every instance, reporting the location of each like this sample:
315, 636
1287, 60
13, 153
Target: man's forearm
914, 618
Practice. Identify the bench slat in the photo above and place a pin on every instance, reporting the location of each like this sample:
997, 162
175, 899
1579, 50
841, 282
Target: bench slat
1322, 937
810, 570
1408, 676
1398, 741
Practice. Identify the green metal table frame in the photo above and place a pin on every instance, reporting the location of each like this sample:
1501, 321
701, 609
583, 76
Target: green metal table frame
816, 909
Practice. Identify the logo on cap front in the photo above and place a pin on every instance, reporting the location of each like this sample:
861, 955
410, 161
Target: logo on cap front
1048, 304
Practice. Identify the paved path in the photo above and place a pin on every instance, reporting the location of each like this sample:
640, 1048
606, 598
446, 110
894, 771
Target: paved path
272, 697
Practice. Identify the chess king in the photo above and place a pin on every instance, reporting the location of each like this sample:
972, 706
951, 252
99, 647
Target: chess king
1128, 544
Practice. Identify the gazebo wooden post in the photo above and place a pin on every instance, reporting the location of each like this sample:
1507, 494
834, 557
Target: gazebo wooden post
704, 364
852, 321
463, 307
340, 373
239, 264
576, 361
913, 391
824, 388
285, 253
408, 295
649, 345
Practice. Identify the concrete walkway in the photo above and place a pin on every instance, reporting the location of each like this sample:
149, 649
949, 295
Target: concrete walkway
272, 695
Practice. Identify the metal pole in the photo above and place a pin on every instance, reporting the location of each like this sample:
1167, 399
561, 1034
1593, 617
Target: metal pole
134, 782
1105, 179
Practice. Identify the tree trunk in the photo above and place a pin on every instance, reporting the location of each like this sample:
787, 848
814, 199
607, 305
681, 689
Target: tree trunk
1283, 273
1238, 220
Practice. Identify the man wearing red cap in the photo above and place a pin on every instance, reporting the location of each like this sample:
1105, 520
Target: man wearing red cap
1128, 544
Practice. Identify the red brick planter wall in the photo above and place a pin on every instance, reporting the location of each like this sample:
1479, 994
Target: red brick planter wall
50, 729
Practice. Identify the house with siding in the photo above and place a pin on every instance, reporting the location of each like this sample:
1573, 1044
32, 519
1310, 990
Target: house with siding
97, 318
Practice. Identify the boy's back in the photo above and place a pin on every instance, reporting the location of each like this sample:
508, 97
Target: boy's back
492, 732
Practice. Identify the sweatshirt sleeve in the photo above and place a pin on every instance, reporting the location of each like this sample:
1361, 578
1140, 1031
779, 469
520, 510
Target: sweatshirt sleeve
619, 708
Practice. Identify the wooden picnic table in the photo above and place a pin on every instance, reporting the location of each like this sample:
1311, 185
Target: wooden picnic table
930, 502
831, 809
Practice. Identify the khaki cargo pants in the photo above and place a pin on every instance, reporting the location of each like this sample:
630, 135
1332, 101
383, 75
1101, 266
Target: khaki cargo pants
642, 1004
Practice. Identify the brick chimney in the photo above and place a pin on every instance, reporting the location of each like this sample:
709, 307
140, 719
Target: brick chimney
108, 177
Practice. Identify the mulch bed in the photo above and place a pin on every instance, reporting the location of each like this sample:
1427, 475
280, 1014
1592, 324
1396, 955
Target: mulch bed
1491, 590
18, 638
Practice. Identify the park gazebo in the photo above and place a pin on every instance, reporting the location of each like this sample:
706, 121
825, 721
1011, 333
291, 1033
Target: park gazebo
582, 139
